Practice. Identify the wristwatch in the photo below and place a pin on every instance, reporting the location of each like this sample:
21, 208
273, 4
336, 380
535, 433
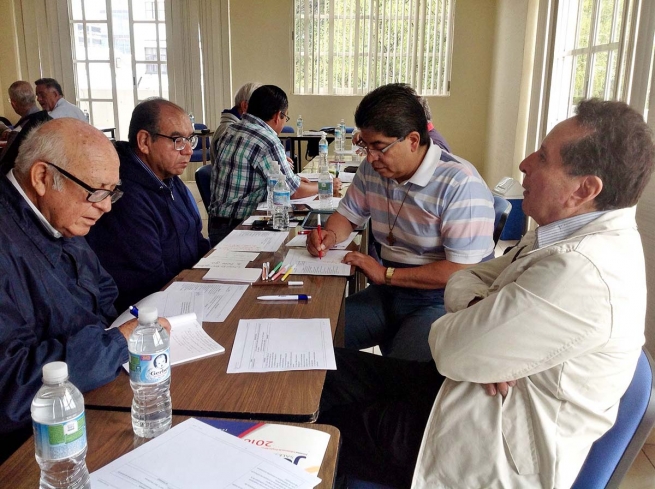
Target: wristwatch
388, 274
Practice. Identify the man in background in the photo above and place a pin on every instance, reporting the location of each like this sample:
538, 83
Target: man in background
155, 232
56, 300
51, 98
244, 158
230, 116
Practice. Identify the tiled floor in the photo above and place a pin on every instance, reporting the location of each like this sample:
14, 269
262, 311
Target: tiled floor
642, 472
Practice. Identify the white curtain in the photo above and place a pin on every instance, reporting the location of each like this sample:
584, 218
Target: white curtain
44, 42
199, 81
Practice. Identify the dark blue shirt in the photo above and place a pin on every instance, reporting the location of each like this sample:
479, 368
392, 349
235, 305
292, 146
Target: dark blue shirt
55, 302
151, 234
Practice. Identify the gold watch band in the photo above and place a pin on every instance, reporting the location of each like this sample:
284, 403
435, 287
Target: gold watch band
388, 274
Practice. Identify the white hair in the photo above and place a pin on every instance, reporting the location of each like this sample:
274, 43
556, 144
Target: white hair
245, 92
41, 145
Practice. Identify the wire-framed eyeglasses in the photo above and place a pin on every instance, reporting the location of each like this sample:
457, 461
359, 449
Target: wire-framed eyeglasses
180, 142
95, 194
379, 152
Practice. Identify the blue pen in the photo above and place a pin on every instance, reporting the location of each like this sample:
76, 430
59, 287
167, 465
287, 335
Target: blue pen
134, 311
298, 297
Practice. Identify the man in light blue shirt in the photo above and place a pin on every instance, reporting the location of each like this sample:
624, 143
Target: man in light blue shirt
51, 98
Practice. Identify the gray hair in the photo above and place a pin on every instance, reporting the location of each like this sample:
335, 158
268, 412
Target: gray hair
245, 92
41, 145
21, 93
426, 107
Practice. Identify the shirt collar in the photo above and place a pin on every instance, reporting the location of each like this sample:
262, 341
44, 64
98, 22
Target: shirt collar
425, 170
562, 229
148, 170
46, 224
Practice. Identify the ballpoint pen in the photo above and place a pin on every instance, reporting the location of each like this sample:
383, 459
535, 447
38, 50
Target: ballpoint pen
298, 297
320, 238
289, 270
282, 271
134, 311
275, 269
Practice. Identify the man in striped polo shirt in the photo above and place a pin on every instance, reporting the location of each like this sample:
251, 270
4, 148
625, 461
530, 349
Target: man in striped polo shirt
431, 212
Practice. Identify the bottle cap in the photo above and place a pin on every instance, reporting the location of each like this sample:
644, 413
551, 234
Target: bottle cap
55, 372
147, 315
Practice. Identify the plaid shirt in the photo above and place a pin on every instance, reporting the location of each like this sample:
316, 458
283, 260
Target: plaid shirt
245, 156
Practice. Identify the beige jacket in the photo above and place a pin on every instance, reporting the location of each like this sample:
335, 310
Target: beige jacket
567, 321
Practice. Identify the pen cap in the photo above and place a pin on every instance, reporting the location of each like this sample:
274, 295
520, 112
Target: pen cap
148, 315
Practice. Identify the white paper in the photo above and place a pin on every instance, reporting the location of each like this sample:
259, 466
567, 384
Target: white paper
219, 299
329, 264
300, 241
276, 345
305, 200
226, 274
168, 305
346, 177
242, 240
194, 455
233, 259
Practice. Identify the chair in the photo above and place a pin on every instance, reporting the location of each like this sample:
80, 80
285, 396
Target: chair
502, 208
197, 155
612, 454
203, 180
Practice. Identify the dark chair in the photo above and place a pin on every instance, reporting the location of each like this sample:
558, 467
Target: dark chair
502, 208
197, 155
203, 180
612, 454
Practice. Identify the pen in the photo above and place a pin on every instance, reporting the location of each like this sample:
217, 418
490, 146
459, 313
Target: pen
299, 297
289, 270
275, 269
290, 283
320, 252
280, 272
134, 311
263, 271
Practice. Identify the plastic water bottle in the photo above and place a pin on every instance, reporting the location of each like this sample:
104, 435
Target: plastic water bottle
322, 151
342, 126
337, 139
193, 120
299, 130
86, 116
150, 376
270, 186
281, 205
60, 431
325, 187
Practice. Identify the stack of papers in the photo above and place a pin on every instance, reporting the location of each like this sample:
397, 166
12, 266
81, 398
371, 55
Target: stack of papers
242, 240
329, 264
227, 274
227, 259
196, 455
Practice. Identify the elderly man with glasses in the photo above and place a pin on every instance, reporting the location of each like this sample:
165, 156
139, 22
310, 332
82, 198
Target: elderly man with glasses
155, 231
431, 212
55, 298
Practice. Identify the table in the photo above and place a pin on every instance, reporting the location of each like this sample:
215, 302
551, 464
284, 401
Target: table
110, 436
203, 388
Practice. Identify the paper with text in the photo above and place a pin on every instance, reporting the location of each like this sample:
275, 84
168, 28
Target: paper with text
226, 274
307, 264
277, 345
191, 301
300, 241
225, 258
244, 240
195, 455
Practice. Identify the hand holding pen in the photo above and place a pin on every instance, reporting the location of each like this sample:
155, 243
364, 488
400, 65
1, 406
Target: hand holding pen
320, 237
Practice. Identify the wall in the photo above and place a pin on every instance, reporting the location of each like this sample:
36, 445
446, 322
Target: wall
262, 51
9, 65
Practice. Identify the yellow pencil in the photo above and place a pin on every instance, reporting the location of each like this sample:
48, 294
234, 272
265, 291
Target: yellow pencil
284, 277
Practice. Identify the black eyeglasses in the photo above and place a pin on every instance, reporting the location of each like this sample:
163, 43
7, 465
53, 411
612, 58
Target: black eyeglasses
180, 142
287, 118
379, 152
95, 194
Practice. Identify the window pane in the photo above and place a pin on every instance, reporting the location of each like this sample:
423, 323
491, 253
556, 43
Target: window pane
78, 41
76, 9
580, 63
584, 26
95, 10
145, 36
147, 80
605, 16
82, 81
143, 9
97, 41
599, 73
101, 80
616, 34
103, 114
161, 10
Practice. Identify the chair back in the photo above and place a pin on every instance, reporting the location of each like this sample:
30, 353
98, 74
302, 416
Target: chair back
502, 208
612, 454
197, 152
203, 180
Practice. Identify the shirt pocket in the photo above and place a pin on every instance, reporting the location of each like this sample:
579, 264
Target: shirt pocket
518, 431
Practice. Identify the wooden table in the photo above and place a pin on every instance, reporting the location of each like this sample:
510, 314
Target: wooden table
110, 436
203, 388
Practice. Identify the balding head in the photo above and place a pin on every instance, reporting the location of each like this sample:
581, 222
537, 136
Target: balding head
79, 149
22, 97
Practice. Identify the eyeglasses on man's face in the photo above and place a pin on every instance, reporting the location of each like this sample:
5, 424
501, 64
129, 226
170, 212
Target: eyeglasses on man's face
95, 194
379, 152
286, 117
180, 142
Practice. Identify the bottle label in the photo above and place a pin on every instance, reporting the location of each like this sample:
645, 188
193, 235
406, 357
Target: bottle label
325, 187
60, 441
150, 369
281, 198
322, 148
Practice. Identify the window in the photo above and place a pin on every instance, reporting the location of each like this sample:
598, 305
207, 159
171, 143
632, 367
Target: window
588, 54
349, 47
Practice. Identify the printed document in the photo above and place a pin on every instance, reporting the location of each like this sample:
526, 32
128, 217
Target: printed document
300, 241
232, 259
226, 274
277, 345
307, 264
242, 240
194, 455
